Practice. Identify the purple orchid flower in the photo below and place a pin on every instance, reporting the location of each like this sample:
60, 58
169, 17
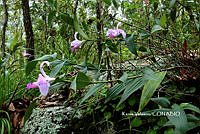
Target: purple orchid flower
43, 82
76, 43
116, 32
25, 53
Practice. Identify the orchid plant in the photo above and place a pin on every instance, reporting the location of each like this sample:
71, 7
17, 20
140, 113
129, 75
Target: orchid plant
116, 32
76, 43
25, 53
43, 82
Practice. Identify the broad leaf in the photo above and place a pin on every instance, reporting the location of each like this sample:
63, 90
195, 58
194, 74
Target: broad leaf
114, 91
124, 77
162, 101
55, 87
77, 27
131, 44
148, 74
56, 69
66, 18
108, 2
179, 120
190, 107
80, 81
149, 89
92, 90
46, 57
115, 3
16, 46
131, 86
156, 28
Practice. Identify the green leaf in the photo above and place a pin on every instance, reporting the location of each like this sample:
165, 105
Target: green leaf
55, 87
30, 67
92, 90
172, 2
180, 121
115, 4
190, 107
149, 89
136, 122
148, 74
46, 57
29, 111
108, 2
163, 20
156, 28
162, 101
112, 46
77, 27
51, 15
16, 46
2, 125
124, 77
66, 18
56, 69
82, 80
192, 117
107, 115
73, 84
131, 44
114, 91
131, 86
197, 24
13, 41
8, 127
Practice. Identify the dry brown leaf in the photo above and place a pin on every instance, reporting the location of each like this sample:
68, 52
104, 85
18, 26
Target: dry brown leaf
11, 107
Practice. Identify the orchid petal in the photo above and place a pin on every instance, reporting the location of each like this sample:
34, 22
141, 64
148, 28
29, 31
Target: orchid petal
31, 85
44, 88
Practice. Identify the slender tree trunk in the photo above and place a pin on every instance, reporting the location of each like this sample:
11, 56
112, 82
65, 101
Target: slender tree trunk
4, 27
45, 24
99, 30
28, 28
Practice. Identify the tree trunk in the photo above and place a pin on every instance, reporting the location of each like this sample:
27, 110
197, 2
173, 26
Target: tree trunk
28, 28
99, 30
4, 27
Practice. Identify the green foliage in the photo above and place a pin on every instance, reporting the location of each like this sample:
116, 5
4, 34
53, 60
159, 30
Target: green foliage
80, 81
5, 122
92, 90
149, 88
131, 45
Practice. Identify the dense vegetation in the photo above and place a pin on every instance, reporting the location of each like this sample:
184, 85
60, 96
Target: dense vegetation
132, 65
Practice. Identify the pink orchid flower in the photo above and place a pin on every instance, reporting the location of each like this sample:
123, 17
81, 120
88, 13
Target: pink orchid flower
116, 32
43, 82
76, 43
25, 53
